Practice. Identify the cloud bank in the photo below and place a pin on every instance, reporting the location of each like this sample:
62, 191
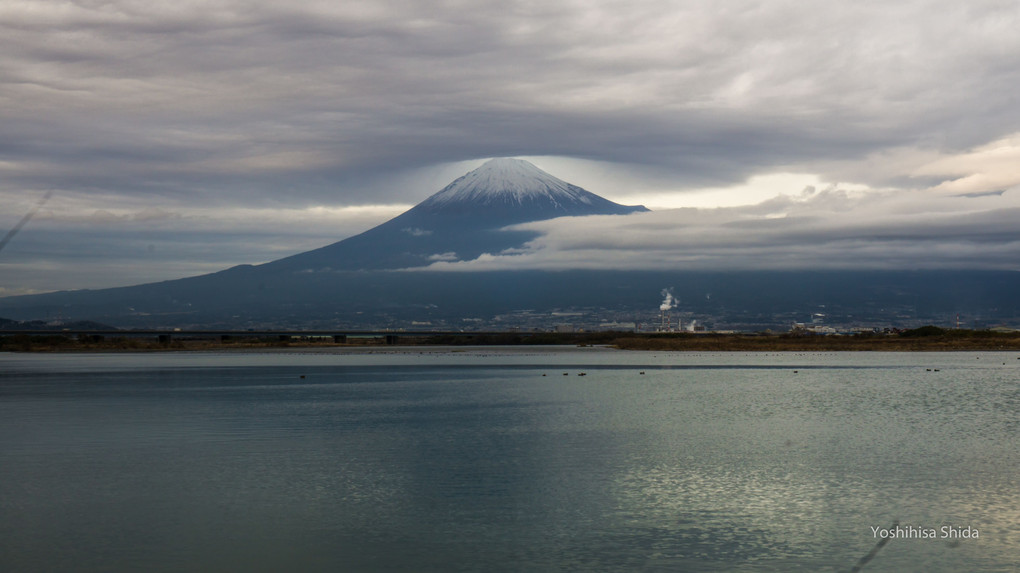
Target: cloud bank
817, 229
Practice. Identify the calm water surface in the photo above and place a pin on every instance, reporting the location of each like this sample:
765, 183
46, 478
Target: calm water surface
508, 459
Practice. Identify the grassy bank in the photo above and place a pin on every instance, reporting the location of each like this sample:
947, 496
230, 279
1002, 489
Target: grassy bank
927, 338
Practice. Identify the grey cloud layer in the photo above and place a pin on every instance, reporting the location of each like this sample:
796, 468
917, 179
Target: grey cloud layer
229, 101
187, 110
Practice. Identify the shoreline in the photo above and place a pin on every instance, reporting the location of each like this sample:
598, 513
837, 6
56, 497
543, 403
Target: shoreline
925, 339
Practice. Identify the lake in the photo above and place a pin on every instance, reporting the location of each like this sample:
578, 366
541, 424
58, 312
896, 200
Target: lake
509, 459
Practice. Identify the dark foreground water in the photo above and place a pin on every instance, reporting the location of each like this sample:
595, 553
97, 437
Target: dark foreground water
488, 460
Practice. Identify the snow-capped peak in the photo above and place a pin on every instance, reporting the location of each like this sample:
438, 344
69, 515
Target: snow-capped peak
509, 181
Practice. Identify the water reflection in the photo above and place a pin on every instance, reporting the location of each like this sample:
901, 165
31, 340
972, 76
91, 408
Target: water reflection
446, 462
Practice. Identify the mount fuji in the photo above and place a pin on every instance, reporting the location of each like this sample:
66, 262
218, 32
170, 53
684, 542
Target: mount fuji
462, 221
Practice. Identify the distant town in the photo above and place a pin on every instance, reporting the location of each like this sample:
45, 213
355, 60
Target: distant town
824, 319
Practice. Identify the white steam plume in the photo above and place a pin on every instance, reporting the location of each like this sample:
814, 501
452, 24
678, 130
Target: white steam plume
668, 301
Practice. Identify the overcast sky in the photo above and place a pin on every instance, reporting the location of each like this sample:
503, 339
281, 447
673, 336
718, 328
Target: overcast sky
184, 137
